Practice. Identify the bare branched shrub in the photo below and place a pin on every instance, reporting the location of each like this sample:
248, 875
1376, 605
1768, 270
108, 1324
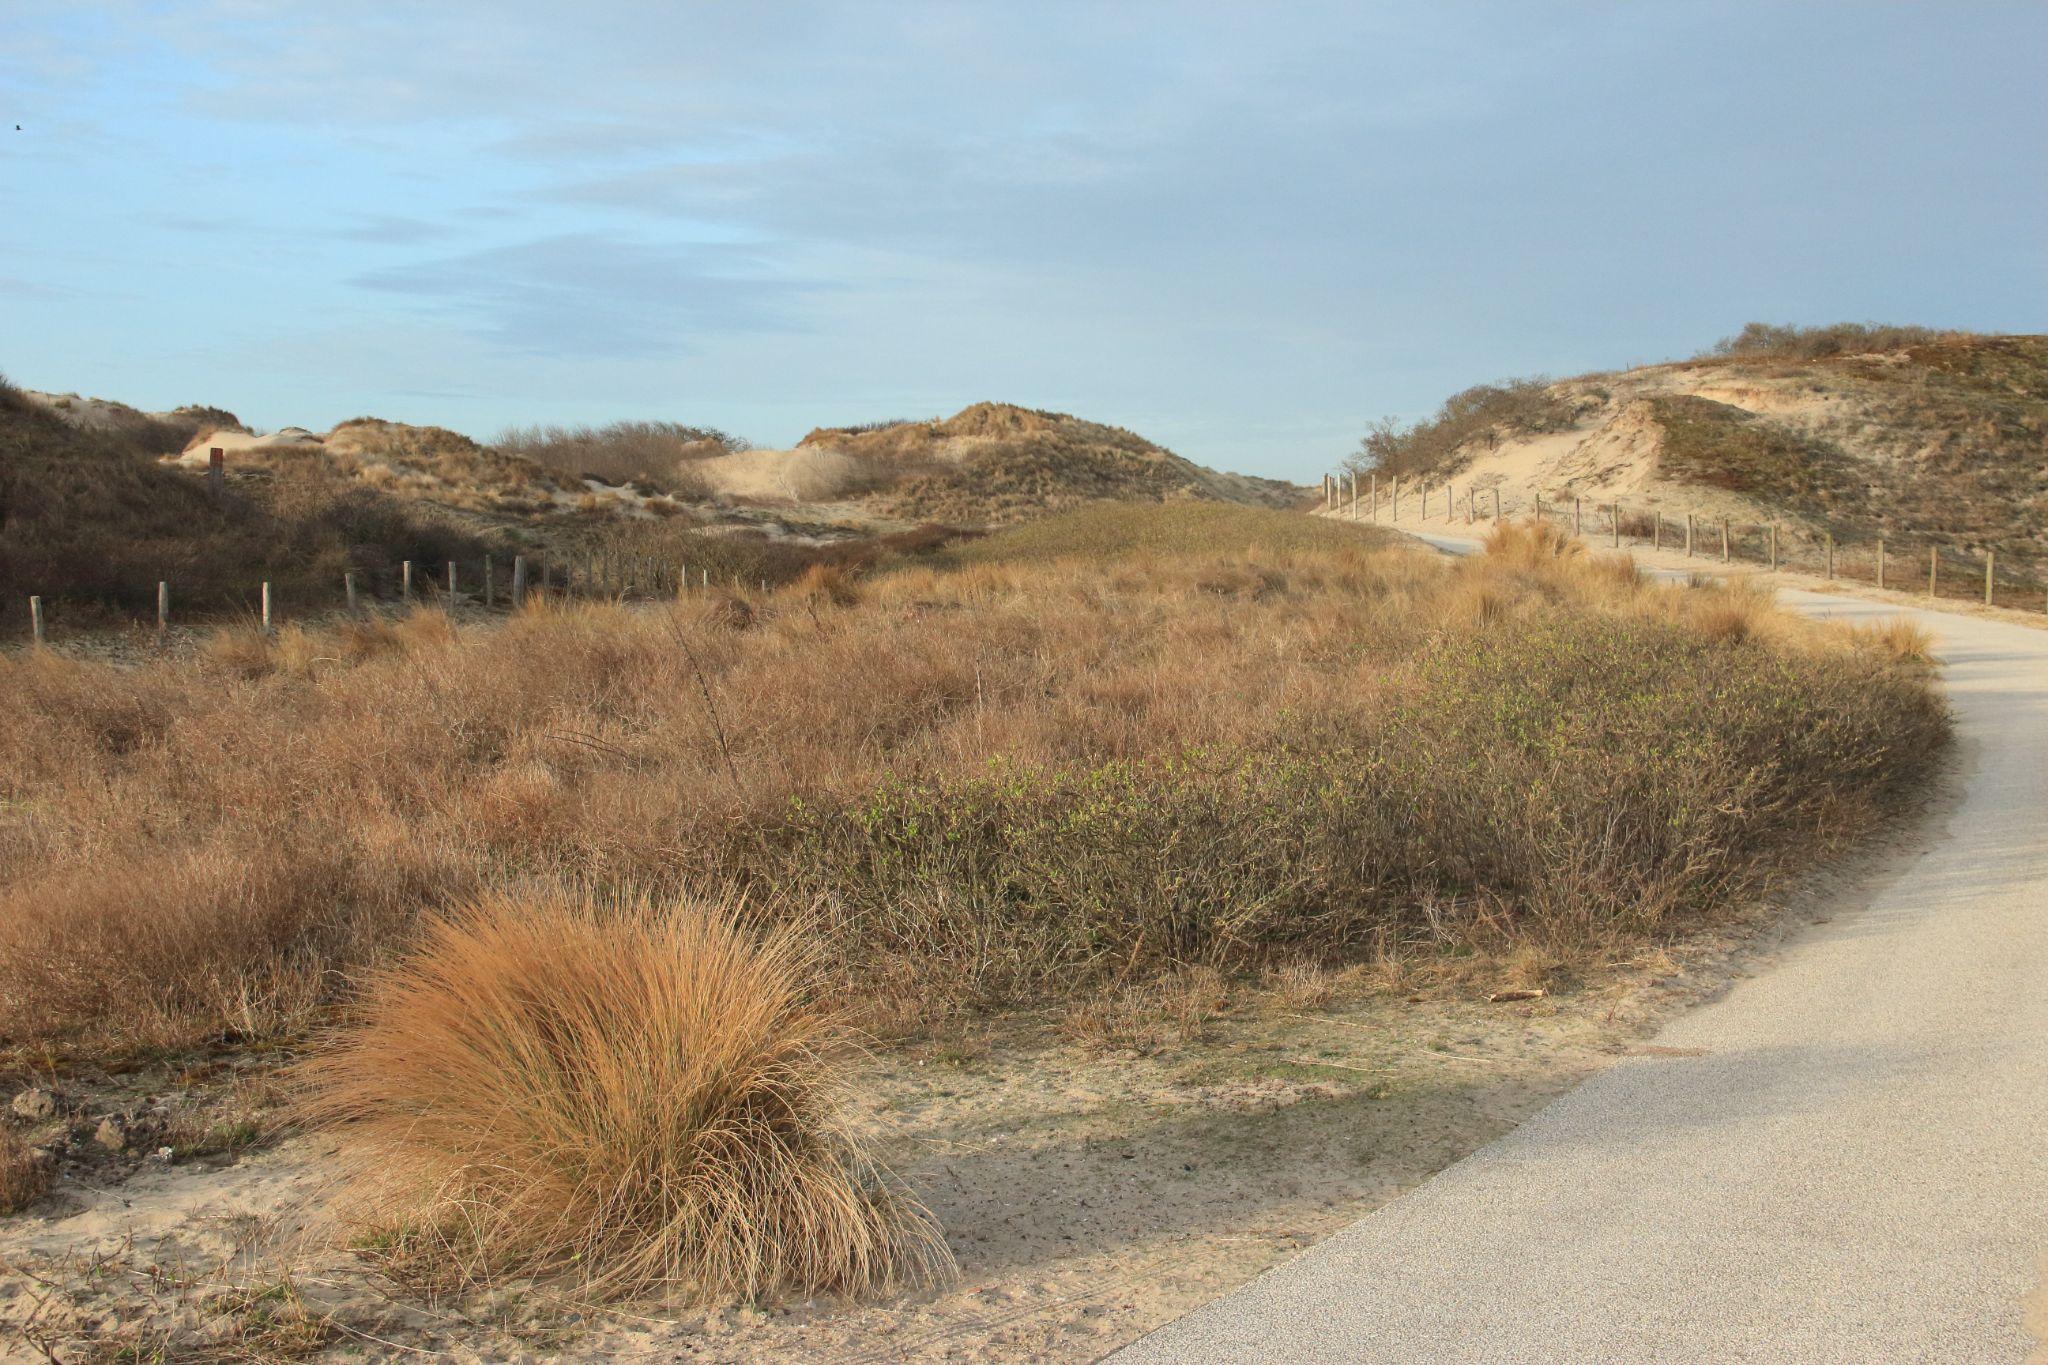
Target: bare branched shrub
655, 454
633, 1098
1765, 340
1484, 412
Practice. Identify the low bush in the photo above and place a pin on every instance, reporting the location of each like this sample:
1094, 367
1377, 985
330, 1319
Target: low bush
1001, 776
1765, 340
1485, 412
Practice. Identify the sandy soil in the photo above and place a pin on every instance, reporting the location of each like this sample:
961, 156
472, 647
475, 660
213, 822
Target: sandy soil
1090, 1190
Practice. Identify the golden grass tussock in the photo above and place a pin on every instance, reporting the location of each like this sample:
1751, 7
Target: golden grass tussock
629, 1096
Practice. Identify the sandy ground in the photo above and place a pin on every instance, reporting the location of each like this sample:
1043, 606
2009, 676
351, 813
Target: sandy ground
1090, 1191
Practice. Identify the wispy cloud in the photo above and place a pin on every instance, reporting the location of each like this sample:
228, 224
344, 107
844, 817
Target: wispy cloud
586, 294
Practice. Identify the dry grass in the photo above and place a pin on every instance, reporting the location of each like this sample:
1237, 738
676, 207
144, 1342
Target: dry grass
24, 1172
635, 1098
1001, 777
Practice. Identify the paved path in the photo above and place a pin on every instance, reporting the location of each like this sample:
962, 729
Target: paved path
1854, 1168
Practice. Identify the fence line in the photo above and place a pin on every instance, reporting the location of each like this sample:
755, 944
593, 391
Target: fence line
1950, 573
592, 577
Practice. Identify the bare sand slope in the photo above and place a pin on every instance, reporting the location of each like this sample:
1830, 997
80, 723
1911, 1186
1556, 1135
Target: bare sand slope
1841, 1160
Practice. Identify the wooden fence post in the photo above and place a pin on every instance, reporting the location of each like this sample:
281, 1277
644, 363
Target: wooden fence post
1688, 535
1354, 495
451, 583
1774, 547
518, 581
405, 574
1394, 507
490, 583
1539, 506
1657, 528
1496, 504
266, 606
35, 620
348, 590
1933, 567
163, 606
1880, 563
1578, 514
217, 473
1375, 495
1724, 540
1990, 557
1614, 529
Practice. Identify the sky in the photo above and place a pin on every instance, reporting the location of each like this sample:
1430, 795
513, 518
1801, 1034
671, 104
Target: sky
1243, 230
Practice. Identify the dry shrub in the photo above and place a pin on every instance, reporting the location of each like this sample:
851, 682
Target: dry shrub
628, 1097
827, 583
1094, 750
24, 1172
243, 650
1153, 1015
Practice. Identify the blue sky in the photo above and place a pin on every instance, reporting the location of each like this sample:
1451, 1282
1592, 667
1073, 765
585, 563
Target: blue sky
1243, 230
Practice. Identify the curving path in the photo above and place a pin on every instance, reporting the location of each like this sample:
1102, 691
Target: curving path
1843, 1159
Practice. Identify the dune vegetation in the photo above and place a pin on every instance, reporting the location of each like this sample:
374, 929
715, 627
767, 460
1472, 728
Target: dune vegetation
1056, 763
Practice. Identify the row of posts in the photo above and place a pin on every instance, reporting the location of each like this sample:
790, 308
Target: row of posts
1335, 494
597, 571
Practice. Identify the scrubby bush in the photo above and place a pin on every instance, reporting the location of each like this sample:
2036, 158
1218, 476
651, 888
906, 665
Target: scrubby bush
656, 454
995, 779
1765, 340
1484, 412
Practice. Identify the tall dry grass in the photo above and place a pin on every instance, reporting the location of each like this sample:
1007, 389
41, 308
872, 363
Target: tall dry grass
634, 1097
997, 777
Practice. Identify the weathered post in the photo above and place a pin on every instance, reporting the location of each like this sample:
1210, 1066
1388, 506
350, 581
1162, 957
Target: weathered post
405, 581
1688, 534
1657, 528
348, 590
1774, 547
266, 606
1375, 495
1578, 514
451, 582
163, 606
1539, 504
1724, 540
1614, 528
1880, 563
1496, 504
1354, 495
1990, 556
1933, 567
1394, 507
518, 581
35, 620
217, 473
490, 583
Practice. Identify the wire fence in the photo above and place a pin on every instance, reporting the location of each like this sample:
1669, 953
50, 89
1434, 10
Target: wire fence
1909, 563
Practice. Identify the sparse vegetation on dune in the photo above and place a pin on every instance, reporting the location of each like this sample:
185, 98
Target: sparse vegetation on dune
92, 522
994, 780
